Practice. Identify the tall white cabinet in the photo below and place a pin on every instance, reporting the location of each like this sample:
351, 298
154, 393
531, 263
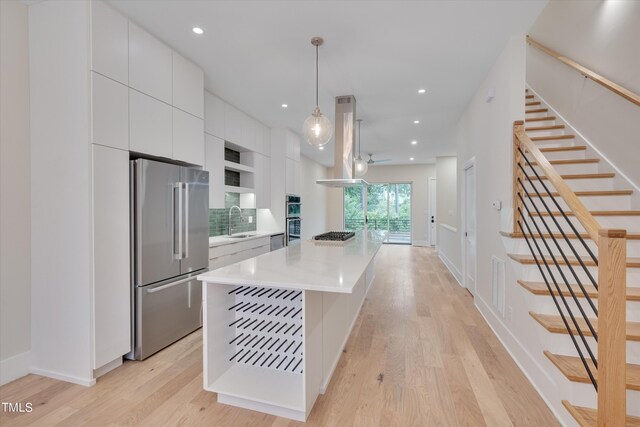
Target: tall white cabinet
112, 90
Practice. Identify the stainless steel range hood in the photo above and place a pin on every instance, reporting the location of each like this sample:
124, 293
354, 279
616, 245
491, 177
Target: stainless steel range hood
343, 169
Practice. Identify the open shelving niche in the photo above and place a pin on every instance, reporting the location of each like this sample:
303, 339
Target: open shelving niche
263, 348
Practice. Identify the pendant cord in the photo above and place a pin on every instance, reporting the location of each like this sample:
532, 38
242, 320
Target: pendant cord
316, 75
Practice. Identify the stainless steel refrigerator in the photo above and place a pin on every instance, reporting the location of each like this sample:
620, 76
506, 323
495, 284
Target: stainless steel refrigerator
170, 243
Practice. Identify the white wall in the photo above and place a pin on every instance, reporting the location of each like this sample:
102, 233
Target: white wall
485, 132
15, 256
417, 174
314, 198
448, 231
446, 190
61, 249
602, 36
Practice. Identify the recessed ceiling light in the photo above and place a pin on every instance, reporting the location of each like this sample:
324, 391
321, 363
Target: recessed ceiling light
411, 158
284, 105
199, 31
321, 147
422, 90
415, 122
414, 142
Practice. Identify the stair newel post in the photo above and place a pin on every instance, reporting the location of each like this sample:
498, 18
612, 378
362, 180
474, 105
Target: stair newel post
612, 254
517, 173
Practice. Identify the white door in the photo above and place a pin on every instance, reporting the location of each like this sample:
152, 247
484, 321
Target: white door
470, 229
432, 212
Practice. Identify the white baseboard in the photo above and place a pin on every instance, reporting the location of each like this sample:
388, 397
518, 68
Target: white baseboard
87, 382
15, 367
452, 268
524, 359
420, 243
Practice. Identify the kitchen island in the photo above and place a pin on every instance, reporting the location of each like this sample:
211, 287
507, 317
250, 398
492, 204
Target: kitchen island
275, 325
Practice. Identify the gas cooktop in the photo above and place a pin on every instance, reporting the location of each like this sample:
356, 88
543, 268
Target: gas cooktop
339, 236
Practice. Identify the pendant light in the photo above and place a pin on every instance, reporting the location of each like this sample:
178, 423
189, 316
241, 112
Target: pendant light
360, 165
317, 129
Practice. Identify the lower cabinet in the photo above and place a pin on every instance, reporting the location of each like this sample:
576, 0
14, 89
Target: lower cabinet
223, 255
111, 275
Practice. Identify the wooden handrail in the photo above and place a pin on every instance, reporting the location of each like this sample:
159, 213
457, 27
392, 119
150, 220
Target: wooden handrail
583, 215
603, 81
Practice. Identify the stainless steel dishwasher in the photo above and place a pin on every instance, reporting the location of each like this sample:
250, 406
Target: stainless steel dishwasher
277, 241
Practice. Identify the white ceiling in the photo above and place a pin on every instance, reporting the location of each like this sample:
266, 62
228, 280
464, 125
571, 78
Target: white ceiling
257, 55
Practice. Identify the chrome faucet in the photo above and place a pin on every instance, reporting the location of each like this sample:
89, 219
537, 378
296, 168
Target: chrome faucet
231, 210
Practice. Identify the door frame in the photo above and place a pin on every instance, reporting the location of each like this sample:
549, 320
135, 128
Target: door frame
471, 163
433, 230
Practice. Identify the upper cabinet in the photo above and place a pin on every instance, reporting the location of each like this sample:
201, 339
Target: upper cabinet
214, 115
150, 125
214, 163
188, 138
109, 42
109, 112
233, 124
188, 86
150, 65
293, 146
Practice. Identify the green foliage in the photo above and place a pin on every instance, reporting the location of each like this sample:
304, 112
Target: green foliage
380, 197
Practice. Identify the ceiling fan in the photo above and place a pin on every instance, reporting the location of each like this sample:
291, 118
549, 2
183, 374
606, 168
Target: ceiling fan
371, 161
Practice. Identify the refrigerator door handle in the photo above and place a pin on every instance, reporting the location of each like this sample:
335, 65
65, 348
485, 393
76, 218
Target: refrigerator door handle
177, 252
152, 290
186, 220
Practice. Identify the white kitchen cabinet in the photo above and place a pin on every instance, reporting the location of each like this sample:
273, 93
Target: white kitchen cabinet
293, 146
214, 163
262, 180
232, 124
188, 138
292, 175
214, 115
150, 65
150, 125
111, 285
188, 86
109, 42
109, 112
223, 255
248, 125
266, 140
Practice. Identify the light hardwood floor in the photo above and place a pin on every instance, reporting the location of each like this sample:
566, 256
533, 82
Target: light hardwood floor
420, 354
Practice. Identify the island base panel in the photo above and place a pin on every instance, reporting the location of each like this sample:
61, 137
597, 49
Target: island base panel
262, 407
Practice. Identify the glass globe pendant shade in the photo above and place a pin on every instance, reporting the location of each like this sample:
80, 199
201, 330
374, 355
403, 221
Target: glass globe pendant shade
360, 166
317, 129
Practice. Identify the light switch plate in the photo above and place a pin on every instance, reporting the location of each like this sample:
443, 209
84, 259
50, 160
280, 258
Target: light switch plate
497, 204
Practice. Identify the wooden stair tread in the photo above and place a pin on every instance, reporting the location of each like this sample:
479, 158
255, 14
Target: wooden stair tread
551, 137
537, 128
532, 103
540, 288
568, 148
632, 262
589, 193
536, 110
570, 161
553, 323
594, 213
630, 236
528, 96
572, 368
582, 176
540, 119
588, 417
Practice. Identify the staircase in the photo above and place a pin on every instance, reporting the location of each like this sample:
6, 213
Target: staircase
576, 248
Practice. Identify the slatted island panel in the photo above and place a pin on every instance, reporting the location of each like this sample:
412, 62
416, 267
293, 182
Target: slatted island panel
275, 325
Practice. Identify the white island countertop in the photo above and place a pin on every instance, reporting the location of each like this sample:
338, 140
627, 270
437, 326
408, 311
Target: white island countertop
310, 265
